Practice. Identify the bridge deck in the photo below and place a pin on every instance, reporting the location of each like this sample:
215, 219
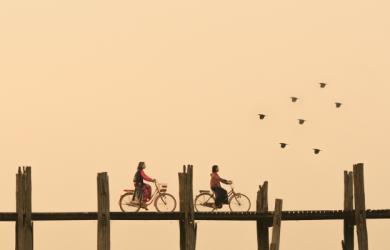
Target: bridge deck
227, 216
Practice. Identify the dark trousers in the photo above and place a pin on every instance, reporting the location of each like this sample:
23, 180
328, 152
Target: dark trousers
221, 196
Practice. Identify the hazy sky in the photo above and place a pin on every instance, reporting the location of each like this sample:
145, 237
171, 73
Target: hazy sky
91, 86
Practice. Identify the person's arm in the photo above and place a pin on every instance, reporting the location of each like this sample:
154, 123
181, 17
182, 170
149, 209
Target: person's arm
146, 178
224, 181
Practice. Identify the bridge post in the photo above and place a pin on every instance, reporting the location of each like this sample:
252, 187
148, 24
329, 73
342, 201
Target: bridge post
262, 226
103, 237
23, 226
360, 206
348, 242
277, 221
187, 224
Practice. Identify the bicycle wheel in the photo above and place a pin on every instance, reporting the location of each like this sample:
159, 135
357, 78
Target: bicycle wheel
127, 204
165, 202
239, 203
204, 203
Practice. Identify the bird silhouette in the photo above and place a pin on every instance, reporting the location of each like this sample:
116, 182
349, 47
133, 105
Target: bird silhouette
338, 104
294, 99
262, 116
316, 150
301, 121
283, 145
322, 84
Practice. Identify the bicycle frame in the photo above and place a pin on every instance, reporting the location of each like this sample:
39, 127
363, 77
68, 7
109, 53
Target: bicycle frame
154, 194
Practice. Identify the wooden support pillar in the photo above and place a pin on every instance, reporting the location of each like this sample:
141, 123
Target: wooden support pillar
103, 237
275, 242
187, 225
24, 226
262, 226
360, 206
348, 242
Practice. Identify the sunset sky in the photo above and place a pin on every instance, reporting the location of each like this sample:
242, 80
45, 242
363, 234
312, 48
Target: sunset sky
97, 86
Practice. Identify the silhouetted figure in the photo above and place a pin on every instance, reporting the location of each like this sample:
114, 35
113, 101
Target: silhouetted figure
322, 84
294, 99
283, 145
301, 121
142, 187
338, 104
262, 116
221, 195
316, 150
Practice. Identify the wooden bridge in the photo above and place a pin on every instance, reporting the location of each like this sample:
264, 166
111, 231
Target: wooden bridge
354, 213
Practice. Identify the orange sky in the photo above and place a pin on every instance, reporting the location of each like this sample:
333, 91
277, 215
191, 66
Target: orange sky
91, 86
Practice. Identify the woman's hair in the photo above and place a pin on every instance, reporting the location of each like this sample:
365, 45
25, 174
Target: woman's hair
214, 168
141, 165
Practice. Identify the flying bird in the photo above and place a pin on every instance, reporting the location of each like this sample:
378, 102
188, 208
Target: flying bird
322, 84
283, 145
301, 121
316, 150
338, 104
262, 116
294, 99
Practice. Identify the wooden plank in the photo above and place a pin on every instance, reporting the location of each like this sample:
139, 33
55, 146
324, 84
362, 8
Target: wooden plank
348, 242
360, 207
276, 225
262, 226
103, 237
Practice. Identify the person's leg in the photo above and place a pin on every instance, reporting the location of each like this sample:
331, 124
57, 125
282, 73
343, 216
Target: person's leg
148, 192
218, 197
224, 196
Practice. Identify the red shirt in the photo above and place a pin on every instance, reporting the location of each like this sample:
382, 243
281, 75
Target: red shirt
146, 178
215, 180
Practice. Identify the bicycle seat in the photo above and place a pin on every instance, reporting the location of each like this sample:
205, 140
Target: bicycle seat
204, 191
128, 190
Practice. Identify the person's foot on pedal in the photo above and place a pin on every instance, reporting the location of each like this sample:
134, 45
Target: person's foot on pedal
144, 206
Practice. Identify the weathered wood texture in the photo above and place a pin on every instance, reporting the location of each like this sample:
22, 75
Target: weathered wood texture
360, 207
262, 226
276, 225
103, 235
348, 242
187, 225
23, 226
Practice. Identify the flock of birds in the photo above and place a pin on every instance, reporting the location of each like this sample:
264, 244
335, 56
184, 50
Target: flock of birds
302, 121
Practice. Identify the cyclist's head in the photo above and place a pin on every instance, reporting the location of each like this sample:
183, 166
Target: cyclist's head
215, 168
141, 165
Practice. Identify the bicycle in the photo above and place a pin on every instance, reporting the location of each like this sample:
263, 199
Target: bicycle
238, 202
131, 201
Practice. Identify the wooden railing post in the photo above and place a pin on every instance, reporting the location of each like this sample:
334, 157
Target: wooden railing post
187, 225
103, 237
276, 225
262, 227
24, 226
360, 206
347, 243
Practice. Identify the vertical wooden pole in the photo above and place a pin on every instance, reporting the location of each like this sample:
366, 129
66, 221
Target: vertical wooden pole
275, 242
192, 225
262, 227
187, 225
348, 242
182, 210
23, 226
103, 236
360, 206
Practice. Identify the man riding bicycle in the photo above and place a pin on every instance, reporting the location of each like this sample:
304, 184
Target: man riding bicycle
221, 196
139, 184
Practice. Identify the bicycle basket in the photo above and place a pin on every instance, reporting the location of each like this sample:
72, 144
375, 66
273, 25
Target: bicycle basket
162, 187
